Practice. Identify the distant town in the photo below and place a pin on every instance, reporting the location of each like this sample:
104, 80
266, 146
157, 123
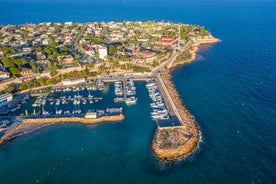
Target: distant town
34, 55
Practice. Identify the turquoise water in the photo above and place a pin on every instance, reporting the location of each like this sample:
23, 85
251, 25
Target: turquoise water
230, 89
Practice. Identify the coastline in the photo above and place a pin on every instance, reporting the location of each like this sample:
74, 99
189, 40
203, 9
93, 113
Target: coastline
188, 141
187, 144
210, 40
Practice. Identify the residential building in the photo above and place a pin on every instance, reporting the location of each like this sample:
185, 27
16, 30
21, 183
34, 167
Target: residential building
166, 41
26, 71
5, 98
103, 52
4, 75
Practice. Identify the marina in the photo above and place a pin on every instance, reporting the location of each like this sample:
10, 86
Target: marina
63, 102
160, 111
125, 91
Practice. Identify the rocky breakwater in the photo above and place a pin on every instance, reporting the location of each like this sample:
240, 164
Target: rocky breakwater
116, 118
172, 143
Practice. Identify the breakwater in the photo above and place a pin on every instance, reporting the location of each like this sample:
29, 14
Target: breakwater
73, 120
172, 143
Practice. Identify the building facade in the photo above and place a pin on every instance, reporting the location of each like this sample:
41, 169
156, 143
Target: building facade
5, 98
103, 52
68, 82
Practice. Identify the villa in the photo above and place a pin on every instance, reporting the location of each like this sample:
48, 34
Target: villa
166, 41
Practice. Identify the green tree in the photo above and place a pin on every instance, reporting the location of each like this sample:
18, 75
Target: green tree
9, 89
53, 73
48, 51
52, 66
112, 50
124, 58
90, 65
75, 62
64, 50
98, 41
53, 44
14, 71
23, 86
42, 81
35, 68
7, 62
7, 50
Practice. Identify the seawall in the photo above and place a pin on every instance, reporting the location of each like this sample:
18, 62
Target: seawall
73, 120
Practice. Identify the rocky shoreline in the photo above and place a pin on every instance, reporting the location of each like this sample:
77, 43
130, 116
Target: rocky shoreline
195, 46
172, 143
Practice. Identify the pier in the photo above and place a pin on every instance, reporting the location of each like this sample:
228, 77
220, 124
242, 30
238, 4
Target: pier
176, 119
173, 142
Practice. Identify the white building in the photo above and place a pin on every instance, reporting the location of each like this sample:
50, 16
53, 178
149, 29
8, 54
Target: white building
91, 115
103, 52
4, 75
68, 82
5, 98
68, 23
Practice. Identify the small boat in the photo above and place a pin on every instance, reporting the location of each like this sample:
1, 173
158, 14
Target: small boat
164, 117
131, 100
100, 85
130, 92
58, 112
66, 112
119, 99
58, 102
43, 102
94, 88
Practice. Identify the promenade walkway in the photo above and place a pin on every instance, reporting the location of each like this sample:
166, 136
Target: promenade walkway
169, 98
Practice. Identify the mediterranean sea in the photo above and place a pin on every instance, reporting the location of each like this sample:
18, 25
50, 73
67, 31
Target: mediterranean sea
230, 89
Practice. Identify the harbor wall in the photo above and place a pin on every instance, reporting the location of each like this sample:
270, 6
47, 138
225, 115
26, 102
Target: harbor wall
190, 130
73, 120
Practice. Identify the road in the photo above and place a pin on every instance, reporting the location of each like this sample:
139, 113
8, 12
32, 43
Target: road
169, 98
170, 61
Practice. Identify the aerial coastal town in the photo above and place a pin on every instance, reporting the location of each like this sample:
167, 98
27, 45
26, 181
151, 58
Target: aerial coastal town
44, 59
46, 50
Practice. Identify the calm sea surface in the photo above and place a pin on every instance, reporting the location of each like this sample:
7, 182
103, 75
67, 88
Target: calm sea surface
230, 89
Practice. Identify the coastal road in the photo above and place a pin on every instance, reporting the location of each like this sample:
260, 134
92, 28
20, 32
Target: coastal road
170, 61
163, 66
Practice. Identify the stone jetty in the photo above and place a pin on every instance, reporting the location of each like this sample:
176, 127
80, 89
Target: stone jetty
116, 118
